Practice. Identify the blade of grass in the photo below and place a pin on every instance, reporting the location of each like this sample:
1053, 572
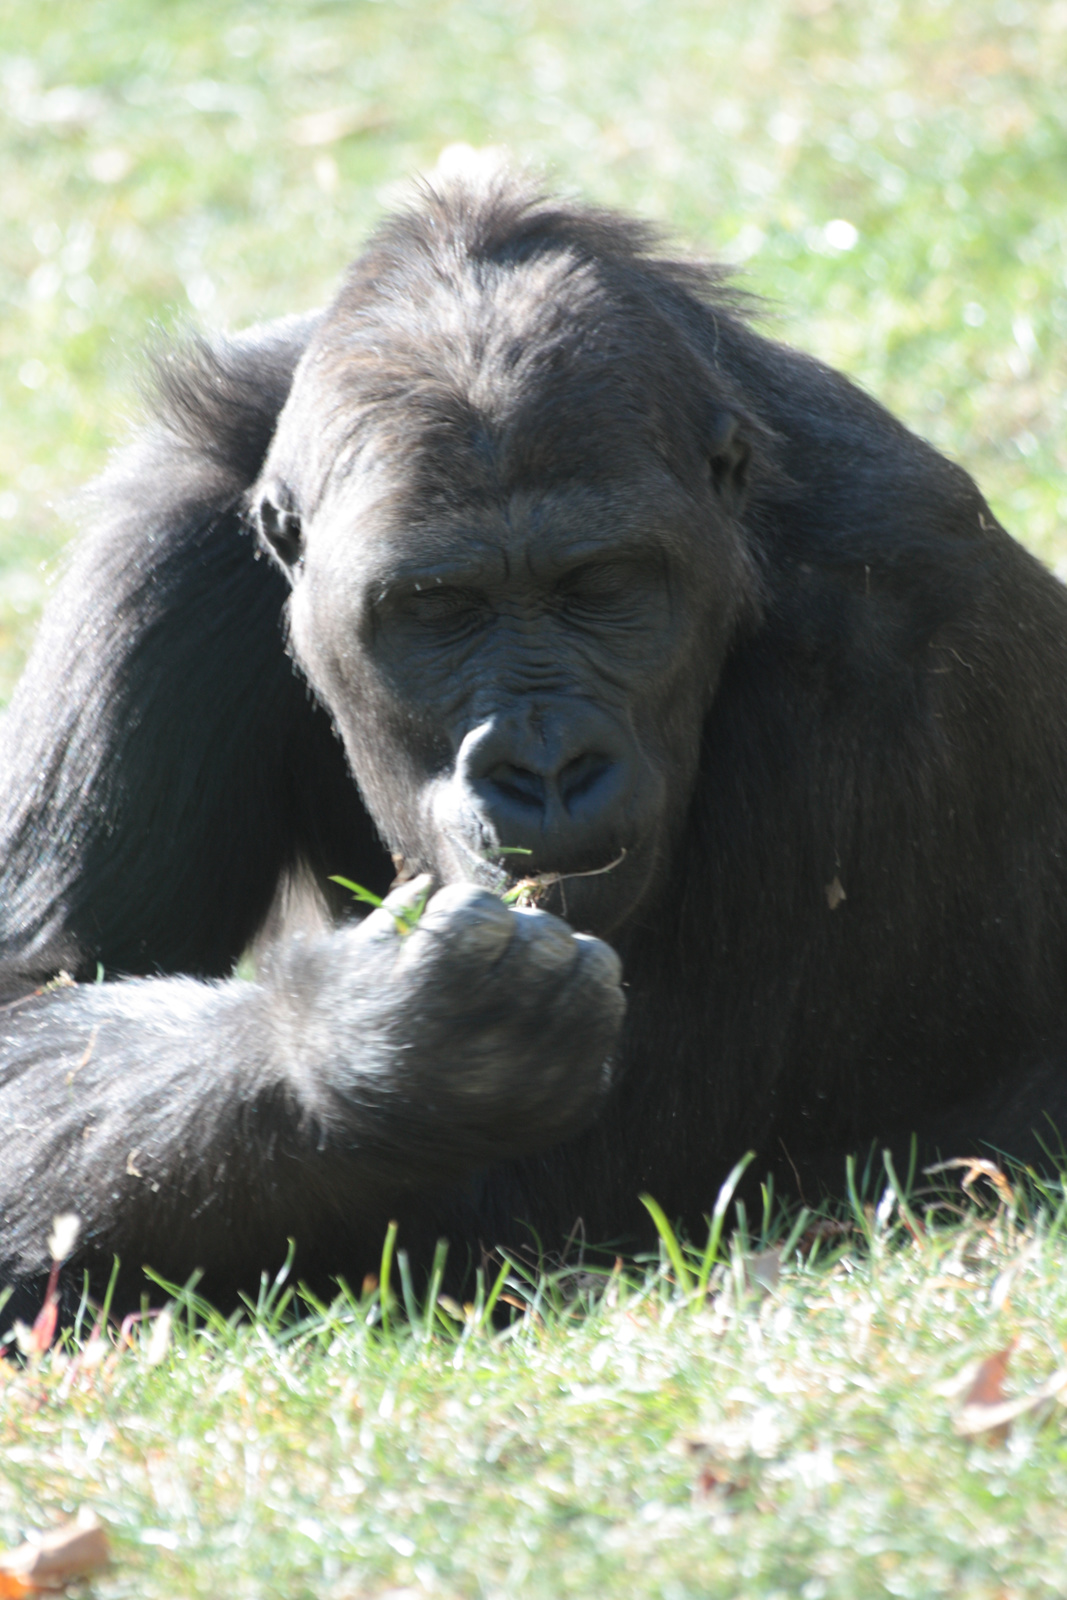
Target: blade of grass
384, 1274
685, 1280
718, 1219
407, 1288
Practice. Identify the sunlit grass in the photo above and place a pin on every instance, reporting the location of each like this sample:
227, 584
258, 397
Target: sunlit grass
621, 1436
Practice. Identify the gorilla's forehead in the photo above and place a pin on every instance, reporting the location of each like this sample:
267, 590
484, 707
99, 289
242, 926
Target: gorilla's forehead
537, 374
391, 529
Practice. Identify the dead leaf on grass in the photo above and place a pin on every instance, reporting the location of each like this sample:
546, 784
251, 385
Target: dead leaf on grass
987, 1385
973, 1168
986, 1411
715, 1475
68, 1554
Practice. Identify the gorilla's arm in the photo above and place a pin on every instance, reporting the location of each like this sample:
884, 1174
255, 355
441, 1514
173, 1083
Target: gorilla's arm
162, 764
198, 1125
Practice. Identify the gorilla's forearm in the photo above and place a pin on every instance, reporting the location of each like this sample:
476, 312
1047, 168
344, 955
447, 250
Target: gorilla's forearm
159, 1113
199, 1125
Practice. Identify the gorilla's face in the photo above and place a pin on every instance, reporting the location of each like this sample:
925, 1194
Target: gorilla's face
517, 615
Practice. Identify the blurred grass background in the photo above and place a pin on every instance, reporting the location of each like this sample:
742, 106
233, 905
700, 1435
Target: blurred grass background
892, 174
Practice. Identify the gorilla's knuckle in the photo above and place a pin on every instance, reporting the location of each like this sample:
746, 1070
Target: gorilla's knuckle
600, 963
378, 927
546, 945
461, 924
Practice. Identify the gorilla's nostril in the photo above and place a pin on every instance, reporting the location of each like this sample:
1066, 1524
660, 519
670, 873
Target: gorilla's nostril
581, 775
518, 784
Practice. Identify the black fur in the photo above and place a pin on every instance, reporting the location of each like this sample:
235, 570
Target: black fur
805, 693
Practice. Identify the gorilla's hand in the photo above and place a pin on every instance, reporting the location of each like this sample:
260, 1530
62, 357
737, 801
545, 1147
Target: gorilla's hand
487, 1028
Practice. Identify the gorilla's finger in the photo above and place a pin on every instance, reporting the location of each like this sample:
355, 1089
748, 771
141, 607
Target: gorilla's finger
462, 923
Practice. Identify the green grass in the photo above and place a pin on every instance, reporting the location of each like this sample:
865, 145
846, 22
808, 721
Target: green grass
156, 169
620, 1438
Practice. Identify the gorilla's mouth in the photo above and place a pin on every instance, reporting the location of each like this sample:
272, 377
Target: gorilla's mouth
532, 889
510, 873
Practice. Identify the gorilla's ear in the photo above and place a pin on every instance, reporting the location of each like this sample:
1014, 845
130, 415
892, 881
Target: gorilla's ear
279, 527
729, 455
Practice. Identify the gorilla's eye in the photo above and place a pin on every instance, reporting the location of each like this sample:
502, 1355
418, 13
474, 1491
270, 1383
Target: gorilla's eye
598, 588
436, 605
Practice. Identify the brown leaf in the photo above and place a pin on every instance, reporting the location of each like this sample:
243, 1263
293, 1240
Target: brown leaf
975, 1167
985, 1410
66, 1555
714, 1475
987, 1385
710, 1479
976, 1418
14, 1588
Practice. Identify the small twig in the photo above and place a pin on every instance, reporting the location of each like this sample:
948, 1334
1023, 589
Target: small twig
84, 1062
62, 980
796, 1174
547, 880
23, 1000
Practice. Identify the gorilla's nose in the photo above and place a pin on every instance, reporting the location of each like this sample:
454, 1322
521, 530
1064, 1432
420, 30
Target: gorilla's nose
556, 785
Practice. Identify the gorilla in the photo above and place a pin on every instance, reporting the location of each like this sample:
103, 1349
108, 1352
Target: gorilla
528, 565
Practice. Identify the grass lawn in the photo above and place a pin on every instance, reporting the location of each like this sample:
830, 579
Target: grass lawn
892, 175
796, 1442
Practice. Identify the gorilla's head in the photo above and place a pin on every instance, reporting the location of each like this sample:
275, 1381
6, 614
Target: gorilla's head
507, 487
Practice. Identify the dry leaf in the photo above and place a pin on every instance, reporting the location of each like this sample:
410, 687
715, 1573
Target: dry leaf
985, 1410
710, 1479
13, 1588
977, 1417
987, 1385
66, 1555
976, 1167
714, 1475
